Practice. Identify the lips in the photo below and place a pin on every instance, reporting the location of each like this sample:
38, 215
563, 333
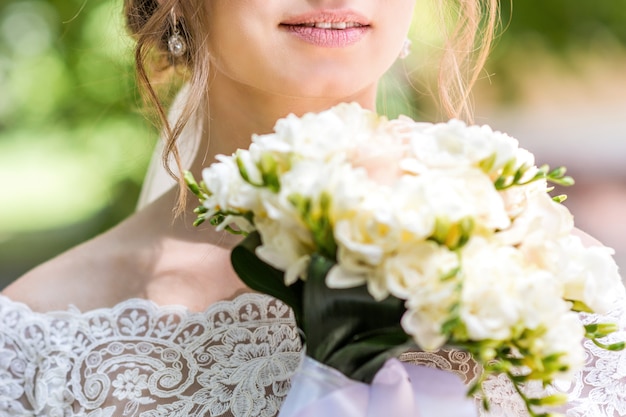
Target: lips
328, 29
328, 16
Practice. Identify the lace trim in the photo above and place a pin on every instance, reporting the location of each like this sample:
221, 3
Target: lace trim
139, 359
234, 359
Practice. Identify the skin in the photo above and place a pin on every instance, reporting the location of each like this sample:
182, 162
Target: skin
260, 73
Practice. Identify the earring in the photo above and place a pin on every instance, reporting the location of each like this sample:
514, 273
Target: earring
406, 49
176, 43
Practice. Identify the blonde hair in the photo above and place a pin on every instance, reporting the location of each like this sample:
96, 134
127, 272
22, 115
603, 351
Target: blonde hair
152, 22
465, 52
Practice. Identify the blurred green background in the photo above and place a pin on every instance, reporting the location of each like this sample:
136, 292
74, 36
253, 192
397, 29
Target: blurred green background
74, 144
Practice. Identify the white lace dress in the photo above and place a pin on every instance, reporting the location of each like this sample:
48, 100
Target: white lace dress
235, 359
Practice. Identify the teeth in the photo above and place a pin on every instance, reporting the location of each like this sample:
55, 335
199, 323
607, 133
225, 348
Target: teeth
332, 25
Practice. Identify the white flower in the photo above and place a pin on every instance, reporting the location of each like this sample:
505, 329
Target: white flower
426, 313
418, 268
491, 301
284, 247
229, 192
323, 135
454, 144
365, 234
565, 335
541, 219
543, 298
589, 274
368, 231
359, 258
517, 198
461, 193
129, 385
413, 213
417, 274
249, 162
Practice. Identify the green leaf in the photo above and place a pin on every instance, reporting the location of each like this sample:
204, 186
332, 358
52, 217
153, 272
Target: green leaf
347, 328
361, 360
262, 277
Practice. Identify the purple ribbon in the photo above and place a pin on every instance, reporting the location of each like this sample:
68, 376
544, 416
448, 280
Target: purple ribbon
398, 389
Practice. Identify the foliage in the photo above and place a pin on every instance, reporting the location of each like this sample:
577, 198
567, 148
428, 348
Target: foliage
565, 24
73, 144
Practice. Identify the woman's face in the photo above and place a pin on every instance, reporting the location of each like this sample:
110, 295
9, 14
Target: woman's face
307, 48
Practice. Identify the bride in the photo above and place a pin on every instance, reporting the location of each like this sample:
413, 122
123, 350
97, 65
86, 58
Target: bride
149, 319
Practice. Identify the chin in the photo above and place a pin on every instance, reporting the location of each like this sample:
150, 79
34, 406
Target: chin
326, 84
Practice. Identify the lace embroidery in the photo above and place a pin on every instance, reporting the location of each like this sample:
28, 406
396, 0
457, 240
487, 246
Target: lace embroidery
599, 390
140, 360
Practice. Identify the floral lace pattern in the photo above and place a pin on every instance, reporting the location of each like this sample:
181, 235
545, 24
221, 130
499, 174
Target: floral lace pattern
138, 359
235, 359
599, 390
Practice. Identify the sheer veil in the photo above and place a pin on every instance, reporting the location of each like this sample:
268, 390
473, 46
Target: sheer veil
157, 180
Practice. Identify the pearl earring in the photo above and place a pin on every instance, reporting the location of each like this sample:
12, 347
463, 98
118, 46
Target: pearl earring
176, 43
406, 49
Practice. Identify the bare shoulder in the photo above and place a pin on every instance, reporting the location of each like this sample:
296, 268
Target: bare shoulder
145, 256
90, 275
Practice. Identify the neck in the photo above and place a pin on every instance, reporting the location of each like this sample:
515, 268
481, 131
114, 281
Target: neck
236, 112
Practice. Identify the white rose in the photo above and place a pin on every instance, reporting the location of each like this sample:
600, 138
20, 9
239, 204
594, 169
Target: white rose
543, 298
416, 274
364, 218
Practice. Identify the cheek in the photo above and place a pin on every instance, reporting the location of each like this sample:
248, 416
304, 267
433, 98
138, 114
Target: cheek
240, 37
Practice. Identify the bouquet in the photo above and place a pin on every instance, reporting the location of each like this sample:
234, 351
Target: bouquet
382, 234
